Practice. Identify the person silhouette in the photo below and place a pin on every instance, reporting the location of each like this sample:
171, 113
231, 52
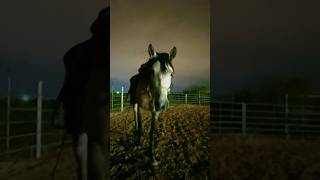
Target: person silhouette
84, 97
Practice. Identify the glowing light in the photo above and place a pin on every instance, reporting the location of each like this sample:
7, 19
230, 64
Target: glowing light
25, 97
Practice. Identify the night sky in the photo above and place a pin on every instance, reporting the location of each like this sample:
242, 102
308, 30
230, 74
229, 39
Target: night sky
34, 37
253, 40
166, 23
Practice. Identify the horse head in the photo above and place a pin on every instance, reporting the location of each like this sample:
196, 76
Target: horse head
160, 71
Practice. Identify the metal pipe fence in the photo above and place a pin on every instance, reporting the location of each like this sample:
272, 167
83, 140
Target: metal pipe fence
25, 127
275, 119
120, 100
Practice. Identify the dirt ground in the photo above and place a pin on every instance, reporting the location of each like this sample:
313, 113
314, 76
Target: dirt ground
182, 150
182, 145
25, 169
235, 157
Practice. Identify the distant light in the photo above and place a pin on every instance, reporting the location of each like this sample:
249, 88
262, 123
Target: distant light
118, 92
25, 97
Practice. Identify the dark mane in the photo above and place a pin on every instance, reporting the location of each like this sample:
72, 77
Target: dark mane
164, 60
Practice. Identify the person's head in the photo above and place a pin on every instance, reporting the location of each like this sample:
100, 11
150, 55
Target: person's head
100, 28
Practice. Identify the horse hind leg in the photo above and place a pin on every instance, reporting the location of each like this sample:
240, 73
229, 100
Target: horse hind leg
81, 151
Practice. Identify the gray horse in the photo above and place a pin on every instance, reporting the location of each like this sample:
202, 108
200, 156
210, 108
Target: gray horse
84, 96
149, 91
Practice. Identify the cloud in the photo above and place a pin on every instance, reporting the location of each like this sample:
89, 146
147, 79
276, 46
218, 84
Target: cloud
184, 24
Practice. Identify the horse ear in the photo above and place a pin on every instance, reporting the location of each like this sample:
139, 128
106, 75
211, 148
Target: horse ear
173, 53
151, 51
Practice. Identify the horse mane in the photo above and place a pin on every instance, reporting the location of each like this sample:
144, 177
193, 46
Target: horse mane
164, 60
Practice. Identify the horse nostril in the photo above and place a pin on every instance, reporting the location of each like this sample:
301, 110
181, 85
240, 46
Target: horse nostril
159, 105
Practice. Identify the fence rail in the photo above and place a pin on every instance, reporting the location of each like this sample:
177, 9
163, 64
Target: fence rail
276, 119
25, 127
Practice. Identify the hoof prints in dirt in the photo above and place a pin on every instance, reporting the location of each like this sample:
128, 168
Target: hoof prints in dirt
181, 146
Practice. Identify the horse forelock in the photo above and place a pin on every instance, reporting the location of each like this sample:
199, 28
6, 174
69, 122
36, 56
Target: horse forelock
165, 63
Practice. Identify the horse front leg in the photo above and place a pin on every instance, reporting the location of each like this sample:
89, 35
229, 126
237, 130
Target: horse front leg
155, 117
138, 124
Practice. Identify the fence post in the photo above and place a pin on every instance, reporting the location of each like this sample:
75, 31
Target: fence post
302, 119
244, 119
39, 119
219, 108
186, 98
8, 116
199, 98
122, 99
111, 98
286, 117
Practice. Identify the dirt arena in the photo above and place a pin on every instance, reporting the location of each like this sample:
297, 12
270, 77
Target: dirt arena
25, 169
182, 150
182, 145
237, 158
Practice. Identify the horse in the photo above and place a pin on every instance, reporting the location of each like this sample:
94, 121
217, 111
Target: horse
149, 91
84, 97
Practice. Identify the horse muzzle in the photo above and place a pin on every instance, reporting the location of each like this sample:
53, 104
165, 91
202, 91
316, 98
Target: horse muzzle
161, 105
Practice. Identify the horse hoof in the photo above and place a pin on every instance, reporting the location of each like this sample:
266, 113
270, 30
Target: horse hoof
137, 142
155, 163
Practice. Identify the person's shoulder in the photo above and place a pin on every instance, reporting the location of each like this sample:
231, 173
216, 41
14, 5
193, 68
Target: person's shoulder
77, 52
80, 47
